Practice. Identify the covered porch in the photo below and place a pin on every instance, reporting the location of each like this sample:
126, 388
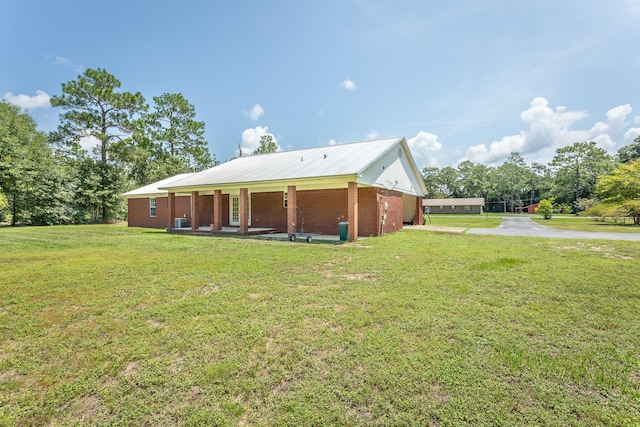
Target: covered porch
261, 210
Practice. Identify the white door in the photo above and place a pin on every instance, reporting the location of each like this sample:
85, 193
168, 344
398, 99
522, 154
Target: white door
234, 208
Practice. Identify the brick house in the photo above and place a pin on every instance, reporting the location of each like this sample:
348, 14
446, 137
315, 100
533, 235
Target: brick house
374, 185
472, 205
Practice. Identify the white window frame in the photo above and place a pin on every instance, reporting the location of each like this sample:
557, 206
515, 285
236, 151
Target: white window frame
152, 207
285, 200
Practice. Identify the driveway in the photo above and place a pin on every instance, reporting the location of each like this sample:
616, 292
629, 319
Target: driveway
515, 226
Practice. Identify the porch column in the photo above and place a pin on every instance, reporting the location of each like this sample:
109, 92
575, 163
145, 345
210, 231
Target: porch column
352, 211
292, 210
217, 210
195, 210
244, 210
171, 209
419, 218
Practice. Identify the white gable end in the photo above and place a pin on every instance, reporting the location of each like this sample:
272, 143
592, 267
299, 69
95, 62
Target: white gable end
394, 170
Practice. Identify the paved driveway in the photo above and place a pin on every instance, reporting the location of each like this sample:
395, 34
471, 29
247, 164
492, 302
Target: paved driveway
516, 226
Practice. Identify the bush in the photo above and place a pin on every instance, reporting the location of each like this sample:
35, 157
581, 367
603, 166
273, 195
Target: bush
545, 208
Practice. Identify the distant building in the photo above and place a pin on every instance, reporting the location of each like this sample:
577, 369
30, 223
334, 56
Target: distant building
531, 209
473, 205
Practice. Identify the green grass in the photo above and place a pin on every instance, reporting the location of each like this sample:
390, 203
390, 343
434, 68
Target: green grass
559, 222
107, 325
463, 221
587, 224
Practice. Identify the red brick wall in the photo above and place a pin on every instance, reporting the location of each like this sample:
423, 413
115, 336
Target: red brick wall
138, 212
322, 209
368, 214
206, 210
395, 210
268, 211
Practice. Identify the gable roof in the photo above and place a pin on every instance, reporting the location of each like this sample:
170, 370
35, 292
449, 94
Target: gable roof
350, 159
151, 190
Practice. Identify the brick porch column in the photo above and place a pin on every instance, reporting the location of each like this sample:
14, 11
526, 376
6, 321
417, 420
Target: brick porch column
217, 210
171, 209
419, 218
352, 211
292, 210
244, 210
195, 210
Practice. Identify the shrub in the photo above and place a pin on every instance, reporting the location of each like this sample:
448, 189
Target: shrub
545, 208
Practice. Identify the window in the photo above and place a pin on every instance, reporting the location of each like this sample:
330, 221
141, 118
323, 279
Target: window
453, 207
285, 200
152, 207
467, 207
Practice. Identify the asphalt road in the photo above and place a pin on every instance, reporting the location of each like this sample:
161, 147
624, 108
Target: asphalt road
515, 226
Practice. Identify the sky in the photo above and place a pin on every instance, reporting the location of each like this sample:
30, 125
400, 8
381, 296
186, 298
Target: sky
460, 80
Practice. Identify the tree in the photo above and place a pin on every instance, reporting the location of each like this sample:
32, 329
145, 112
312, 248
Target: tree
448, 181
545, 208
630, 152
473, 179
93, 108
577, 168
540, 182
511, 181
33, 180
430, 176
3, 205
621, 187
178, 135
267, 145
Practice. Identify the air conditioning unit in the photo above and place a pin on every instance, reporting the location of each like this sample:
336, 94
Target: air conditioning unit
181, 223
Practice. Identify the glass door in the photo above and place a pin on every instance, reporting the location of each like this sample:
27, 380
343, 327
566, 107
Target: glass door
234, 206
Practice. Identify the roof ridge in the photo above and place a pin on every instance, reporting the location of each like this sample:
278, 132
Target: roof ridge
323, 146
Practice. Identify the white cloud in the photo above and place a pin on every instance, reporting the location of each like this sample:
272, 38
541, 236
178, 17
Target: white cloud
348, 85
549, 129
631, 134
372, 135
92, 145
423, 146
633, 6
251, 139
61, 60
332, 142
40, 100
255, 113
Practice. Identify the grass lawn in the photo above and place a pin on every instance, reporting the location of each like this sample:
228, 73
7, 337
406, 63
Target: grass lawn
558, 222
587, 224
108, 325
464, 221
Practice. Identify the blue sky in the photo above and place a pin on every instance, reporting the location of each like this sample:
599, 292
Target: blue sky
458, 79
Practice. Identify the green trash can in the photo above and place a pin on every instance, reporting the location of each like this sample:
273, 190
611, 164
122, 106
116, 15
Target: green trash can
343, 228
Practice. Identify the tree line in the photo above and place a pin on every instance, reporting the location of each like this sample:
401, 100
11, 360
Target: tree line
53, 178
581, 177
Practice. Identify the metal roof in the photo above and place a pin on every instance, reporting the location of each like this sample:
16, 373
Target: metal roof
453, 202
153, 188
332, 160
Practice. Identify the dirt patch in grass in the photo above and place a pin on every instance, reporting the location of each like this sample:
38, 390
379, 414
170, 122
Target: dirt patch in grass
605, 251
